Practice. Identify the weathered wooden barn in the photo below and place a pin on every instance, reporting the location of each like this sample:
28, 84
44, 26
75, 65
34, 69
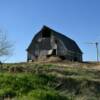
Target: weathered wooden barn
47, 42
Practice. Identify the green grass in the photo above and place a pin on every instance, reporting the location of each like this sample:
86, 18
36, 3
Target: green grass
41, 94
49, 82
34, 86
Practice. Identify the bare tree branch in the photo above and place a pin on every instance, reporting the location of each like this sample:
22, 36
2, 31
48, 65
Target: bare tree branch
5, 45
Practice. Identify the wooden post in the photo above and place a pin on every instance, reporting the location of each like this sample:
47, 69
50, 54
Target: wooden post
97, 51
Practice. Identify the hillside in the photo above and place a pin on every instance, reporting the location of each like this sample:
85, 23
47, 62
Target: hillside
50, 81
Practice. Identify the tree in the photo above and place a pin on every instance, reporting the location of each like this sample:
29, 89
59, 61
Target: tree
5, 45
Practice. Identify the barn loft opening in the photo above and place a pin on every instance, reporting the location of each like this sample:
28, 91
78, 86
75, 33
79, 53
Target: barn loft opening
46, 33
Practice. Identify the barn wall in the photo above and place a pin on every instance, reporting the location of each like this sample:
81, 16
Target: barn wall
30, 57
73, 56
41, 46
61, 49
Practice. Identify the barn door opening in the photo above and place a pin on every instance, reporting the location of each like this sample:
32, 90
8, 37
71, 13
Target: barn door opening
75, 59
54, 48
54, 52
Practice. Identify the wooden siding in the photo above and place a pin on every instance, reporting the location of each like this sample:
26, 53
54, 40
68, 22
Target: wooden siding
64, 46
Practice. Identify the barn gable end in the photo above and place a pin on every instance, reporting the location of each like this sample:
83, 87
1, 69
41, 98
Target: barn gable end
48, 42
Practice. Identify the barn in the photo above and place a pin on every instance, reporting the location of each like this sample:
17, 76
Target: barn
48, 42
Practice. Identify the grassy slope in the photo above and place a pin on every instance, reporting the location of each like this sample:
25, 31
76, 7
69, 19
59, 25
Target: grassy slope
49, 82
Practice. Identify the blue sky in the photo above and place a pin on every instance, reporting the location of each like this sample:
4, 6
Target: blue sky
77, 19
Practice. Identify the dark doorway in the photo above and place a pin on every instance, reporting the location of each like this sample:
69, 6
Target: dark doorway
75, 59
54, 52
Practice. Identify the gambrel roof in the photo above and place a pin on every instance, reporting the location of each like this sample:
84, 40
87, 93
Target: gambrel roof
69, 43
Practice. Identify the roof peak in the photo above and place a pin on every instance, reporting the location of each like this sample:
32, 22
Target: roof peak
45, 26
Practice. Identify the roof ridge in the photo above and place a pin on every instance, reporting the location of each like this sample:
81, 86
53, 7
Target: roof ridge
44, 26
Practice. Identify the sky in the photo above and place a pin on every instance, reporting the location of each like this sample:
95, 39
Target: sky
77, 19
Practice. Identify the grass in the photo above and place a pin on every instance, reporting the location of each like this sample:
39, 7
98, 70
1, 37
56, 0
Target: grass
40, 94
34, 86
48, 82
